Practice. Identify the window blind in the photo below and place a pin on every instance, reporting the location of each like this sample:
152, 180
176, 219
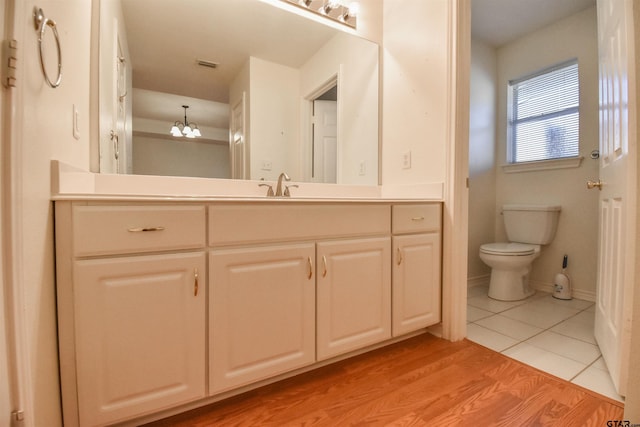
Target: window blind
544, 118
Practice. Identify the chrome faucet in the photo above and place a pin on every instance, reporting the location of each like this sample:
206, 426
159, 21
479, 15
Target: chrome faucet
279, 186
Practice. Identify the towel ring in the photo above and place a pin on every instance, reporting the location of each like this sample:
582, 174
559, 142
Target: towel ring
41, 23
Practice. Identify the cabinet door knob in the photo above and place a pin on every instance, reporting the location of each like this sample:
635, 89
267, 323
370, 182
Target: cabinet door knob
195, 282
310, 263
399, 257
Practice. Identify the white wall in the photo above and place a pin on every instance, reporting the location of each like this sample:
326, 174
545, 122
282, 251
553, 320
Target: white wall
482, 155
274, 112
415, 95
355, 60
43, 131
180, 157
572, 37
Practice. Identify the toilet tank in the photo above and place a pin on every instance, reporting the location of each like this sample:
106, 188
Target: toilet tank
534, 224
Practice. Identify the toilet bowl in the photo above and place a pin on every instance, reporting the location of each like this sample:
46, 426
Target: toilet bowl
528, 227
510, 266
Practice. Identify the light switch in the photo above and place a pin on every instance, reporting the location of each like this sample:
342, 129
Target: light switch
76, 125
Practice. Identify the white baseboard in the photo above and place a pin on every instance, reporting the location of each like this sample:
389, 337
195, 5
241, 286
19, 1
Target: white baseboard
478, 281
575, 293
483, 280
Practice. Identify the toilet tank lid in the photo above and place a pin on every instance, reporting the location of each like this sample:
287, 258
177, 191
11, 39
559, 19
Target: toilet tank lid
523, 207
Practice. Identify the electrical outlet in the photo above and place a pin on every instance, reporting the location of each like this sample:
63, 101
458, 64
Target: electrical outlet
406, 160
267, 165
363, 168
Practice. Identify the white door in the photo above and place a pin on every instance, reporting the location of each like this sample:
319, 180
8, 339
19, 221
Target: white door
416, 291
113, 132
237, 140
120, 117
261, 313
353, 294
325, 141
5, 396
140, 334
618, 190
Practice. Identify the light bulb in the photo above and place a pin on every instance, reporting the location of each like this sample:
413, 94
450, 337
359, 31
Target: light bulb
196, 132
175, 131
354, 8
187, 130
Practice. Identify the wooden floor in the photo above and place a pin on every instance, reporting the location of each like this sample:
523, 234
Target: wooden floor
424, 381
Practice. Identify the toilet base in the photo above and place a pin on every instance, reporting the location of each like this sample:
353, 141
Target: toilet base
510, 285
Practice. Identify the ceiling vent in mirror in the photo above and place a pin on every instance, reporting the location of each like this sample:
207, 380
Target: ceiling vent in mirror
205, 63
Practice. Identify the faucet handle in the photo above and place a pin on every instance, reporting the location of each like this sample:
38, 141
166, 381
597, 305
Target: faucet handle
287, 193
269, 191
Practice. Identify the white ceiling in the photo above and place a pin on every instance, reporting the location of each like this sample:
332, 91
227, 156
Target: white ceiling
165, 37
497, 22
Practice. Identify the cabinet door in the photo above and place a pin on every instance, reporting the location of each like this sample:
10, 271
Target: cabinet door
354, 294
140, 334
416, 282
262, 313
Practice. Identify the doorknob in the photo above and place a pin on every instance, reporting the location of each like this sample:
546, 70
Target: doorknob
593, 184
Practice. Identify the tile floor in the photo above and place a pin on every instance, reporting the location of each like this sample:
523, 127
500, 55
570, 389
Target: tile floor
553, 335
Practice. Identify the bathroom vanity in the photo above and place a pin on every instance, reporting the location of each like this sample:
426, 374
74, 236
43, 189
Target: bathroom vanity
173, 302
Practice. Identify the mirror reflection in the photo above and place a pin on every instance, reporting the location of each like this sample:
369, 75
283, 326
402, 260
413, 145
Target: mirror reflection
268, 91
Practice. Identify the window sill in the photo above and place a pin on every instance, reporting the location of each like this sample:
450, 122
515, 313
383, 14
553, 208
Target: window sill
570, 162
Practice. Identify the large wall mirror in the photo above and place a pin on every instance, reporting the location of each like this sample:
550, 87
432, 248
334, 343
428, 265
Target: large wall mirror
270, 91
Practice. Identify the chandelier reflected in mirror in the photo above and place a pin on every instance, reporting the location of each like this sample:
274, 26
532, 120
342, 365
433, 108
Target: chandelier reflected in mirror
190, 130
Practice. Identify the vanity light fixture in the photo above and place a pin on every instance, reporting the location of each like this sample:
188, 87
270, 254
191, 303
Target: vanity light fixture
351, 13
326, 8
332, 9
190, 130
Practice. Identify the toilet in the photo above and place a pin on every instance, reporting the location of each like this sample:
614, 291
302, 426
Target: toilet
528, 227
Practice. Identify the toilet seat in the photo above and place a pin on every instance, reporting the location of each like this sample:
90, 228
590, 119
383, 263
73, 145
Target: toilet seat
508, 249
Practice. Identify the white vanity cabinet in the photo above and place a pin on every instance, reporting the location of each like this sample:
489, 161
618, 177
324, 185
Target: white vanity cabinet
131, 307
354, 294
170, 303
416, 266
289, 282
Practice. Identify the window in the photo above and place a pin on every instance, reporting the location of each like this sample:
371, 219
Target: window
543, 115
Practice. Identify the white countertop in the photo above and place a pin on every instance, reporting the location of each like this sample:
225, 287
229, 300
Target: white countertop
70, 183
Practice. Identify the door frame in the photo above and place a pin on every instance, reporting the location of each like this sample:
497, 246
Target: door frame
306, 118
11, 225
455, 218
457, 152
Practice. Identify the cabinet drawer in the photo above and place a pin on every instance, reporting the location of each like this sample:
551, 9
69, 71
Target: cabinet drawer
416, 218
244, 223
102, 230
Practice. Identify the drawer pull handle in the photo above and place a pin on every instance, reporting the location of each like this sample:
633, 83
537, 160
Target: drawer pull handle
195, 282
143, 229
324, 266
417, 218
399, 257
310, 268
